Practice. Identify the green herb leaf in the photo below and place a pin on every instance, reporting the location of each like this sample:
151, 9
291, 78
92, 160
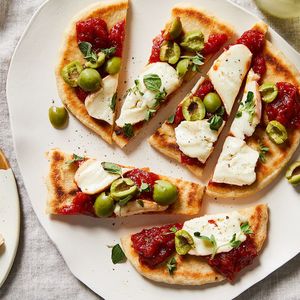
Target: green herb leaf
195, 61
149, 114
250, 97
215, 122
152, 82
211, 240
75, 158
173, 229
109, 51
220, 111
172, 265
238, 114
140, 202
171, 119
128, 130
113, 102
117, 254
89, 54
263, 150
145, 187
197, 234
125, 200
245, 227
160, 96
234, 243
248, 106
112, 168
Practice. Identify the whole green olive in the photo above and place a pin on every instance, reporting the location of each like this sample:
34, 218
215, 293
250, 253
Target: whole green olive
58, 116
182, 67
164, 192
104, 205
89, 80
113, 65
170, 52
193, 41
212, 102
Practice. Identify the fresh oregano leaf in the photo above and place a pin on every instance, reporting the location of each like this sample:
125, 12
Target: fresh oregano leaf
112, 168
117, 254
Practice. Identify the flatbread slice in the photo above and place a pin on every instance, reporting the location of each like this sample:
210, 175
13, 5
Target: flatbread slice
112, 12
192, 270
274, 160
192, 19
62, 189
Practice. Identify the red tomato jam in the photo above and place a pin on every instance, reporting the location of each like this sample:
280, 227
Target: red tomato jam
82, 204
259, 65
253, 39
155, 245
205, 88
178, 115
232, 262
286, 107
93, 31
157, 41
186, 160
214, 43
80, 93
117, 36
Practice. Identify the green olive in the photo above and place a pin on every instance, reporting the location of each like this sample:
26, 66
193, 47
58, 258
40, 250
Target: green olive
193, 41
174, 29
170, 52
212, 102
182, 67
113, 65
277, 132
70, 73
123, 187
104, 205
100, 61
292, 173
183, 242
193, 109
89, 80
164, 192
269, 92
58, 116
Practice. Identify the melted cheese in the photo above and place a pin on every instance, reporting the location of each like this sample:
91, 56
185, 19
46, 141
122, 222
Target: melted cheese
236, 164
245, 124
228, 72
195, 139
98, 104
222, 226
138, 101
91, 178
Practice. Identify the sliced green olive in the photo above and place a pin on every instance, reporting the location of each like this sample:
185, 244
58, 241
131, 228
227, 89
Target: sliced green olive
122, 188
70, 73
269, 92
89, 80
175, 28
104, 205
113, 65
212, 102
183, 242
170, 52
100, 61
182, 67
164, 192
277, 132
58, 116
193, 41
293, 174
193, 109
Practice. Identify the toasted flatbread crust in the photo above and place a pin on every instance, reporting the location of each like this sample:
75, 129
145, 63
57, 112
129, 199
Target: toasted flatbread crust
164, 139
278, 69
62, 188
191, 18
111, 12
192, 270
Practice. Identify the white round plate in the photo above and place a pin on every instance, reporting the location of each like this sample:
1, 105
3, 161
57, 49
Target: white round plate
9, 222
84, 241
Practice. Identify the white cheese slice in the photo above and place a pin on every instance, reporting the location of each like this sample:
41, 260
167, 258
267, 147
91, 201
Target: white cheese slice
245, 124
134, 208
139, 99
195, 138
228, 72
91, 178
98, 104
236, 164
222, 226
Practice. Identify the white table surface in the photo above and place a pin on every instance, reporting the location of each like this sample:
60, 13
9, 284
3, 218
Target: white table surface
39, 271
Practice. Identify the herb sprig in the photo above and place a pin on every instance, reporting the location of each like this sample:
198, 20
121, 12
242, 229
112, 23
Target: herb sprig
172, 265
248, 106
75, 159
263, 150
195, 61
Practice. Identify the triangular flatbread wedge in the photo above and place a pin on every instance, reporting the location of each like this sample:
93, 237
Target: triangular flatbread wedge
112, 15
194, 270
144, 99
72, 191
